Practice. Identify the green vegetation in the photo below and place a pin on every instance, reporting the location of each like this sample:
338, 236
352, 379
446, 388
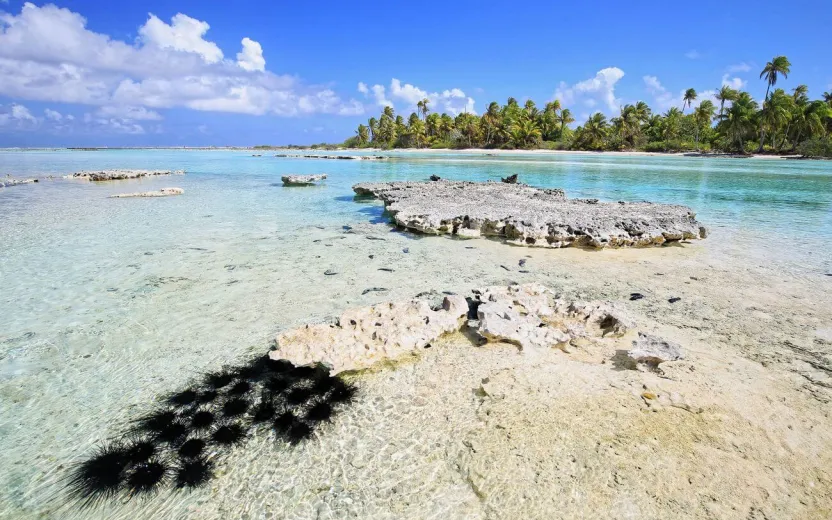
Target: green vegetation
785, 123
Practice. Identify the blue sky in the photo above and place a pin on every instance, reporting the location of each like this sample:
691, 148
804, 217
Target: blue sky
81, 73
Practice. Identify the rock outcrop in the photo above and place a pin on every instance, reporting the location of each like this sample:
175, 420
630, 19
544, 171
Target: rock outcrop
302, 180
523, 215
117, 175
336, 157
653, 350
164, 192
7, 182
529, 316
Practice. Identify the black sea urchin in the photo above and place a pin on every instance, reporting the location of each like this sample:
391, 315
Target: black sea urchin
207, 396
277, 384
156, 421
183, 398
217, 380
298, 432
174, 433
192, 448
264, 411
145, 477
283, 422
202, 420
240, 388
321, 411
228, 434
235, 407
342, 392
194, 473
279, 366
140, 450
298, 395
101, 476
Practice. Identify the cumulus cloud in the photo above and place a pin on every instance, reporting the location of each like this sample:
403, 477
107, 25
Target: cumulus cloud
48, 54
17, 116
52, 115
129, 112
662, 99
739, 67
453, 101
183, 34
693, 55
734, 83
251, 57
590, 92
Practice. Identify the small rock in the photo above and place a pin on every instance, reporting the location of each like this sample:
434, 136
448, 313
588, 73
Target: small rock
373, 289
435, 178
636, 296
523, 271
406, 250
330, 272
346, 228
386, 269
511, 179
372, 256
506, 268
374, 238
675, 299
653, 350
522, 262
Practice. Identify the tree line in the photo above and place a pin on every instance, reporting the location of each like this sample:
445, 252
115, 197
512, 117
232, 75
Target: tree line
786, 122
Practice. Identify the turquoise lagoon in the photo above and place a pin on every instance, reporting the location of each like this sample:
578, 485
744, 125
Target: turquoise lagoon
105, 304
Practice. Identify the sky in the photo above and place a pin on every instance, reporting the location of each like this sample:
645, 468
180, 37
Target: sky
206, 73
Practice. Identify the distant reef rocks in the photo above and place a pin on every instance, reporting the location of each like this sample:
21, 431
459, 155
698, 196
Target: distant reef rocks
530, 316
8, 182
336, 157
523, 215
117, 175
164, 192
302, 180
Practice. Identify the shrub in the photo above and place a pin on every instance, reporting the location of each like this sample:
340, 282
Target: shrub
816, 147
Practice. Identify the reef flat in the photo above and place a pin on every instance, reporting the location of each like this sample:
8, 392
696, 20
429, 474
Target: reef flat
164, 192
302, 180
524, 215
117, 175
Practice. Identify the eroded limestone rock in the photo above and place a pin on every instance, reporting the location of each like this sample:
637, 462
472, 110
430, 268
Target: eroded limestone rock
302, 180
116, 175
653, 350
368, 335
164, 192
529, 316
524, 215
7, 182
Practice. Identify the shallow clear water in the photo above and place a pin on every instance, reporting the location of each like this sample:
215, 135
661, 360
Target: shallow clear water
107, 303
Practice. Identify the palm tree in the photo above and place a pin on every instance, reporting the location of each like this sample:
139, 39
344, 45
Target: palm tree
779, 66
724, 94
827, 97
525, 133
738, 122
565, 118
801, 94
703, 115
671, 124
775, 113
362, 135
388, 111
688, 98
643, 111
595, 130
373, 126
422, 107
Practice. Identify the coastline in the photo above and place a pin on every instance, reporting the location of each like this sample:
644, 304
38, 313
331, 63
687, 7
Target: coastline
395, 151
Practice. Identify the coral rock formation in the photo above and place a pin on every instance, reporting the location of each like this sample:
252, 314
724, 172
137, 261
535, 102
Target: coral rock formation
523, 215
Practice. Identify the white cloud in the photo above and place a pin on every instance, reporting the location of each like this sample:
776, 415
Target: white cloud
693, 55
251, 58
183, 34
734, 83
129, 112
600, 89
17, 116
453, 101
48, 54
739, 67
662, 99
52, 115
70, 117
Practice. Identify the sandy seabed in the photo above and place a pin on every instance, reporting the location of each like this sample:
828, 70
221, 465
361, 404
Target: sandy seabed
739, 429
